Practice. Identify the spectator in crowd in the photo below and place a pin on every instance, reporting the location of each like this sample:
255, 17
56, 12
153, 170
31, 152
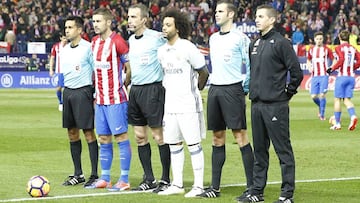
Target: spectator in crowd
21, 25
341, 19
319, 23
25, 14
21, 41
10, 38
324, 5
2, 33
304, 30
313, 6
204, 6
297, 36
328, 39
32, 63
154, 8
354, 35
278, 5
36, 33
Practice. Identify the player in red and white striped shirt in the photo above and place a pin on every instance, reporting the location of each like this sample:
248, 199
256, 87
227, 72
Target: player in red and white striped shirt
55, 61
110, 55
318, 59
108, 68
346, 55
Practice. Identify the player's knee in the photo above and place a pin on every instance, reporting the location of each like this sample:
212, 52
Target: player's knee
159, 139
104, 139
89, 135
73, 134
157, 134
121, 137
219, 138
348, 103
141, 140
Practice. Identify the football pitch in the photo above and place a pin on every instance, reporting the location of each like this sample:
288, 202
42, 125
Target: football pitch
33, 142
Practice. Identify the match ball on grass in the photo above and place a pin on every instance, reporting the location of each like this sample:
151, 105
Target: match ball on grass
38, 186
332, 120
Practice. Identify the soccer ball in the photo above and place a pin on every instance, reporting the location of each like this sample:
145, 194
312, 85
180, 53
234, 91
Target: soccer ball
38, 186
332, 120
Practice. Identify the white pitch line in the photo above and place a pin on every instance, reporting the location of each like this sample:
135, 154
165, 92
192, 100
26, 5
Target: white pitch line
299, 181
135, 192
71, 196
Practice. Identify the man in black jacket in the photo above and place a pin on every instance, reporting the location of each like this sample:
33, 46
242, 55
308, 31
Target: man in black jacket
271, 59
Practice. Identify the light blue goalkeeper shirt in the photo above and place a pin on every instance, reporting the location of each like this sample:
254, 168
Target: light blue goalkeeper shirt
145, 67
228, 53
77, 65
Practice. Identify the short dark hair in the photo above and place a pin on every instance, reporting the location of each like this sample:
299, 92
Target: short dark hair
344, 35
318, 33
79, 22
230, 6
144, 11
182, 22
270, 11
104, 12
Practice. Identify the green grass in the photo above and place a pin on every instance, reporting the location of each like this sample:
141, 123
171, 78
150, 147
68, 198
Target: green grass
33, 142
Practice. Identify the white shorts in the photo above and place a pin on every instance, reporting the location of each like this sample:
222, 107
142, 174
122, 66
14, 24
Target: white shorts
188, 127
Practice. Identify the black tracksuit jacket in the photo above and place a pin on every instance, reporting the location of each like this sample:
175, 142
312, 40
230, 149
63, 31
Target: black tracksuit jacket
272, 57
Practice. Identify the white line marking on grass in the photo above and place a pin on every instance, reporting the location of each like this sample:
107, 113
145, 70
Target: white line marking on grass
135, 192
298, 181
71, 196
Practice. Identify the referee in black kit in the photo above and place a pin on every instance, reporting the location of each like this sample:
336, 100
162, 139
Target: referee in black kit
271, 58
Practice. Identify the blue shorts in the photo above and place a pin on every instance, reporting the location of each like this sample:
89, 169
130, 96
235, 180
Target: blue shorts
59, 80
111, 119
344, 87
319, 84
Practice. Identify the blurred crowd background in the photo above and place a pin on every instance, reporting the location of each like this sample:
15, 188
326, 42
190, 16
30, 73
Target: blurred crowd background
23, 21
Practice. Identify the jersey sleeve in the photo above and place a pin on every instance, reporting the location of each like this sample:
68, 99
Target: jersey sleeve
246, 61
196, 59
357, 58
121, 46
291, 61
309, 55
53, 50
340, 58
330, 53
91, 58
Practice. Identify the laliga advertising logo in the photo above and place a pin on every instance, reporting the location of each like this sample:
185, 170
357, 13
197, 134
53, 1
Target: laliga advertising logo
6, 80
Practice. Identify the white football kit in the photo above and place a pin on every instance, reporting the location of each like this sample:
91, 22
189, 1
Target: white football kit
183, 118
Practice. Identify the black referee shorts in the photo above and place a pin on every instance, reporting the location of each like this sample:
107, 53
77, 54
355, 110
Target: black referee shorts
146, 105
78, 107
226, 107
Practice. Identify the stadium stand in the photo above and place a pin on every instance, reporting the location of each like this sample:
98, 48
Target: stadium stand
42, 20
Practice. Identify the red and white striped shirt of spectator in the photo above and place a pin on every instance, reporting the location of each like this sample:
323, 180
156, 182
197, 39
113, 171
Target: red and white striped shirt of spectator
108, 69
319, 57
348, 60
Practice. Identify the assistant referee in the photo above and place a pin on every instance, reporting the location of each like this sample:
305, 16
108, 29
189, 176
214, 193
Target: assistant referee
78, 113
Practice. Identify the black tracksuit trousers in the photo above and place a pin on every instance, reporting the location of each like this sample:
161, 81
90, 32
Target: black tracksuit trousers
270, 122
